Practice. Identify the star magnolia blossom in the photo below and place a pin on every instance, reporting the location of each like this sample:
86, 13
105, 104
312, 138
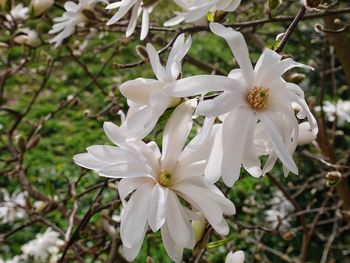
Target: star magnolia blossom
74, 15
19, 12
146, 97
43, 246
250, 98
196, 10
155, 180
138, 7
12, 208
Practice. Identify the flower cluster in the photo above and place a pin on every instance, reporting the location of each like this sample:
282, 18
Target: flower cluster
254, 112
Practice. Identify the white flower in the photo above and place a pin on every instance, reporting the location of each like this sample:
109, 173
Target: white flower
196, 10
74, 15
146, 97
26, 36
16, 259
281, 207
237, 257
250, 97
19, 12
12, 208
39, 7
340, 110
138, 7
155, 180
43, 246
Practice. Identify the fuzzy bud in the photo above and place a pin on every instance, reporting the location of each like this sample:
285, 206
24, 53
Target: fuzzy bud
38, 7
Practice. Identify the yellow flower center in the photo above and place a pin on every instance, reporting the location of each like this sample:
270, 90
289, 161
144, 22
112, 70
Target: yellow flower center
165, 178
258, 98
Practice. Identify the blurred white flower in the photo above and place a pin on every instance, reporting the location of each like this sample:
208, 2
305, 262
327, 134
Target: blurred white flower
155, 180
39, 7
146, 97
43, 246
340, 110
18, 13
197, 10
138, 7
12, 206
74, 16
237, 257
250, 97
26, 36
281, 207
16, 259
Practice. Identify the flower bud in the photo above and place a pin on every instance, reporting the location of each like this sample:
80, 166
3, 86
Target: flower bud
27, 37
237, 257
38, 7
288, 235
310, 4
333, 178
199, 227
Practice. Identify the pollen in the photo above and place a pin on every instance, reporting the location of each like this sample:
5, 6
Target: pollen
165, 178
258, 98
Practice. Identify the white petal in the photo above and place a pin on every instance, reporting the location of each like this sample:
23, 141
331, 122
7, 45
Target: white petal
126, 170
127, 185
173, 250
175, 134
278, 144
134, 218
201, 84
145, 24
115, 133
158, 207
87, 161
178, 224
133, 19
140, 90
239, 49
212, 173
234, 140
221, 104
112, 154
157, 67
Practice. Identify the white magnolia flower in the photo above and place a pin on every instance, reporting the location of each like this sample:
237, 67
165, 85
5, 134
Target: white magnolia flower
237, 257
43, 246
197, 10
146, 97
39, 7
18, 13
250, 98
138, 7
12, 207
74, 15
339, 111
26, 36
155, 180
281, 207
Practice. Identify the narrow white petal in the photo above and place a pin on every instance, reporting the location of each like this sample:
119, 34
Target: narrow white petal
178, 224
239, 49
174, 251
134, 218
278, 144
126, 170
201, 84
234, 140
111, 154
158, 207
127, 185
175, 134
157, 67
87, 161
